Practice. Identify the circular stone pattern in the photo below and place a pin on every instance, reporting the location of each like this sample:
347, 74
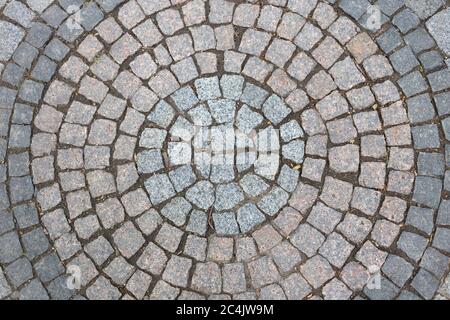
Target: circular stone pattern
218, 149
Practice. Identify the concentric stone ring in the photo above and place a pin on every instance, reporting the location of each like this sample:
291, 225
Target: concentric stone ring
218, 149
223, 152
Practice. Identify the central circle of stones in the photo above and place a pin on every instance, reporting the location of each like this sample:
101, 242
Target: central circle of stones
229, 150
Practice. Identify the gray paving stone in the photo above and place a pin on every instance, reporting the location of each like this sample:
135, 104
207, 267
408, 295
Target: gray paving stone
272, 292
25, 55
324, 218
336, 250
288, 178
86, 226
269, 18
177, 210
80, 113
435, 262
102, 289
126, 46
427, 191
56, 50
389, 291
159, 188
13, 74
31, 91
55, 223
317, 271
412, 244
207, 278
435, 24
425, 283
35, 243
177, 271
162, 56
412, 84
182, 177
295, 287
149, 221
228, 196
99, 250
307, 239
194, 12
273, 201
11, 247
424, 10
233, 278
162, 114
263, 272
355, 228
67, 245
308, 37
100, 183
256, 195
185, 70
12, 36
406, 20
246, 14
34, 290
49, 197
197, 222
419, 40
49, 267
225, 223
431, 164
164, 291
119, 270
138, 284
370, 256
254, 42
149, 161
169, 237
389, 40
441, 238
25, 215
195, 247
152, 259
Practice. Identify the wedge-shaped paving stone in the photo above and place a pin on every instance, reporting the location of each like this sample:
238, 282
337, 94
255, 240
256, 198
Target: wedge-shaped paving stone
176, 210
263, 272
317, 271
207, 278
159, 188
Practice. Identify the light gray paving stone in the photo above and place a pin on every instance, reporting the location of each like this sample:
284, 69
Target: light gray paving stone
195, 247
225, 223
308, 37
152, 259
295, 287
317, 271
263, 272
207, 278
169, 237
12, 36
177, 271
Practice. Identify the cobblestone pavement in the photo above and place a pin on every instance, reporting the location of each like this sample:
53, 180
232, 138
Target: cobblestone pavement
192, 149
